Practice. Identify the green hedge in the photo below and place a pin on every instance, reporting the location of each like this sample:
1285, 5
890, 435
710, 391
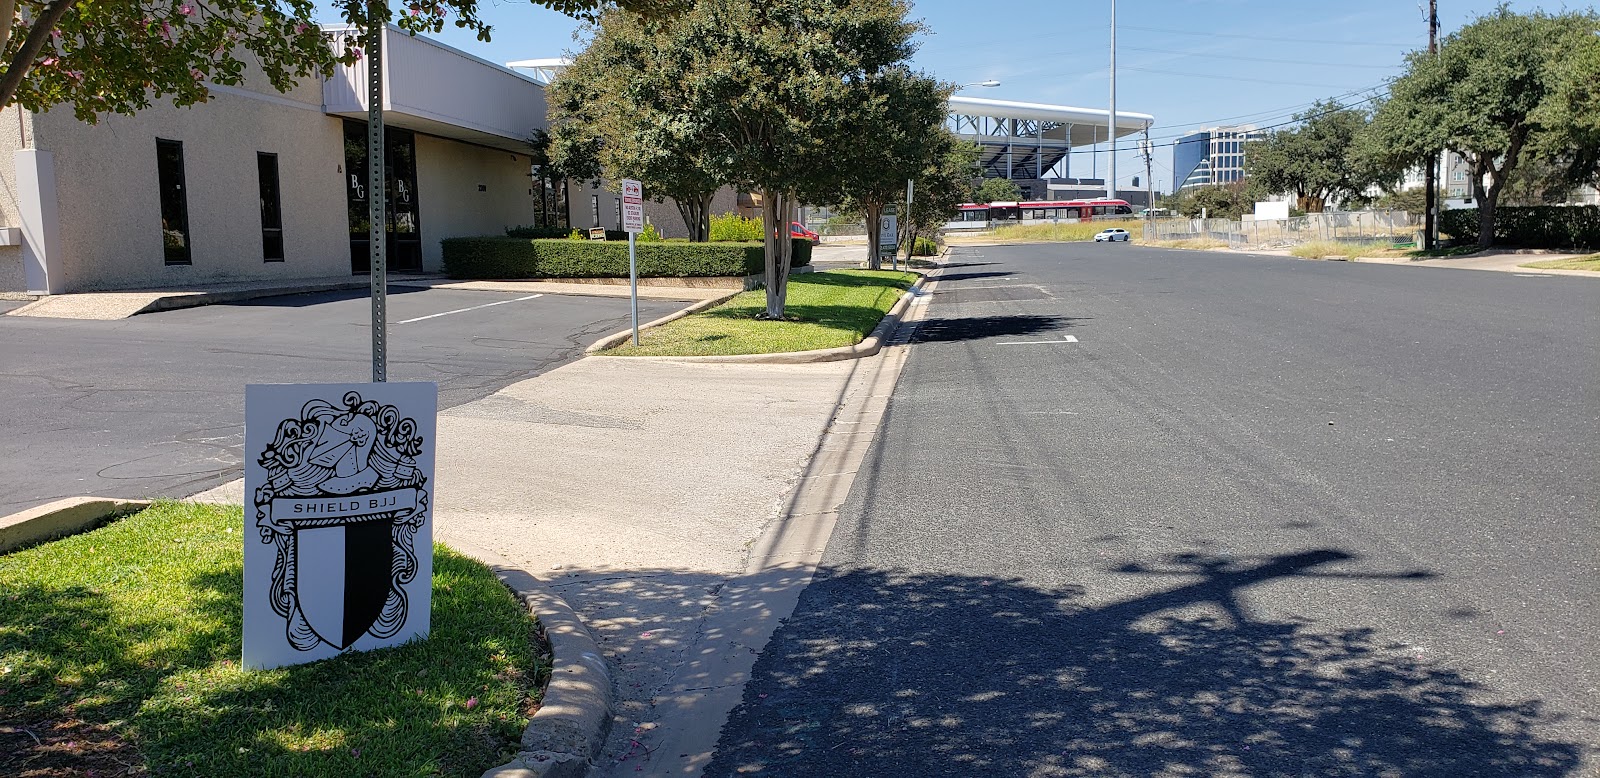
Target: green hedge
1538, 226
494, 257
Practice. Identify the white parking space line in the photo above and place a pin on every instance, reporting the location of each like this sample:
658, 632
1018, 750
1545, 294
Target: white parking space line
464, 310
1069, 339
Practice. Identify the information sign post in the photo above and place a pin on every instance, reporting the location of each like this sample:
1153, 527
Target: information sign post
888, 233
633, 224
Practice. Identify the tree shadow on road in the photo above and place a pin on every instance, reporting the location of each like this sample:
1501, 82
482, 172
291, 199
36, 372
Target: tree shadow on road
947, 330
884, 673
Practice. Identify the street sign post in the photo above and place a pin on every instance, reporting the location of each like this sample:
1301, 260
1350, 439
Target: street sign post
338, 545
633, 224
912, 249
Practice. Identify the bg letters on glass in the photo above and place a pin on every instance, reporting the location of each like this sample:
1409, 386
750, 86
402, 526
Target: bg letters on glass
338, 518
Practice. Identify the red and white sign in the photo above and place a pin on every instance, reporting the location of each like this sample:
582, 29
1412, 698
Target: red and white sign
632, 206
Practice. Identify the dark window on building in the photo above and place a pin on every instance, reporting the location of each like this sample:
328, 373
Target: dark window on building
174, 202
619, 213
594, 210
271, 208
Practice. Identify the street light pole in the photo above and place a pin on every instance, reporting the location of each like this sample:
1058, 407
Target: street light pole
1111, 121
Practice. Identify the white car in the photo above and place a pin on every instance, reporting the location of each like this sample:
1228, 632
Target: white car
1113, 233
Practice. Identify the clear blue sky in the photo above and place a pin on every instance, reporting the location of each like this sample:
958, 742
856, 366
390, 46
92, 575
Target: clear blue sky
1190, 63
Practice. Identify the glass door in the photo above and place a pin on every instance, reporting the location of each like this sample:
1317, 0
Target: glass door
403, 228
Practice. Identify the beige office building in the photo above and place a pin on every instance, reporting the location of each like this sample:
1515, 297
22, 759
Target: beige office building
260, 185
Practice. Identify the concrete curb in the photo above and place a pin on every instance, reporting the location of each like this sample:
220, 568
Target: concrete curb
869, 346
567, 732
60, 519
615, 339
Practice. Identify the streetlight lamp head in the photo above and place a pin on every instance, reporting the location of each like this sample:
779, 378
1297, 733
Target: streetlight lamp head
990, 82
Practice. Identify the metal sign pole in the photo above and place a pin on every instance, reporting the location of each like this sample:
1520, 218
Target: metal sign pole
633, 283
633, 224
911, 238
376, 191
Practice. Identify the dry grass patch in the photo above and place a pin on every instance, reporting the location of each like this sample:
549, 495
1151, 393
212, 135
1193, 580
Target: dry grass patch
1590, 263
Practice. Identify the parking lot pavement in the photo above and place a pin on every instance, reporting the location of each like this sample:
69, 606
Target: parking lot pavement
153, 406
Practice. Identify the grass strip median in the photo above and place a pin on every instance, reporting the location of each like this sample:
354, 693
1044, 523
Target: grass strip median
823, 310
119, 654
1591, 263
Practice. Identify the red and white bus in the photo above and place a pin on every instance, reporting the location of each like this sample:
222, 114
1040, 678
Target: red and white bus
1045, 210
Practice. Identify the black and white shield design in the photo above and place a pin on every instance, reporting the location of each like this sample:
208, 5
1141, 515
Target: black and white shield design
348, 569
341, 506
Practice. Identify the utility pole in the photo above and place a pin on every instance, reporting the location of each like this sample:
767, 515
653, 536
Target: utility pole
1149, 183
1111, 121
1430, 222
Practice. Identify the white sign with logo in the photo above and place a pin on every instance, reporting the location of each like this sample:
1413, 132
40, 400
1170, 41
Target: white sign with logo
632, 206
888, 231
338, 484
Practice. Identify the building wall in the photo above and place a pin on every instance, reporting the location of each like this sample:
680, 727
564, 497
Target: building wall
452, 205
110, 211
1187, 154
17, 124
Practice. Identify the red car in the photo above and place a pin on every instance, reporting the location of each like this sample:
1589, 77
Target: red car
798, 230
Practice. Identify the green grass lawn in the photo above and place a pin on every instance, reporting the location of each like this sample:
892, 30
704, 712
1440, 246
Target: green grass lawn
119, 654
1591, 262
1031, 233
835, 308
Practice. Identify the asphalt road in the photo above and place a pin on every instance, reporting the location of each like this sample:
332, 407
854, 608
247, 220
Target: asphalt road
154, 405
1264, 517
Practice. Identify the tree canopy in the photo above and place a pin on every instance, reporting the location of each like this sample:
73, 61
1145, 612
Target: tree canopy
613, 115
997, 190
1316, 159
899, 133
1500, 89
773, 90
118, 57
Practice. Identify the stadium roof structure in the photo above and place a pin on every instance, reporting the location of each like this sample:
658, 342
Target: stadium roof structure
1029, 140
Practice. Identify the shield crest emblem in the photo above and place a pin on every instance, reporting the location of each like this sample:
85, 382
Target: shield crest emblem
343, 501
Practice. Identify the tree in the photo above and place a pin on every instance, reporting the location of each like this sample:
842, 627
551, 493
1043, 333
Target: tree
1492, 95
1218, 201
775, 86
1317, 159
900, 133
612, 115
112, 56
997, 190
1571, 115
941, 188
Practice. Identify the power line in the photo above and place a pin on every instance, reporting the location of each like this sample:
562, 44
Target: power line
1209, 55
1216, 76
1267, 127
1265, 37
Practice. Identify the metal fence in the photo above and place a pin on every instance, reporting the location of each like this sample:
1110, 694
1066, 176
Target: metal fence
1343, 227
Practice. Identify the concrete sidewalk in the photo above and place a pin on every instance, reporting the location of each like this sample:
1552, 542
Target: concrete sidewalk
679, 508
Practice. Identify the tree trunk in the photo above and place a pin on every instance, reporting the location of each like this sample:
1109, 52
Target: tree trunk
1487, 200
874, 218
696, 213
779, 250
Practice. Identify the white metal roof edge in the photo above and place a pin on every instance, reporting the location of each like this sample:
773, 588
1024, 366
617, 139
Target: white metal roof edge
1013, 109
447, 47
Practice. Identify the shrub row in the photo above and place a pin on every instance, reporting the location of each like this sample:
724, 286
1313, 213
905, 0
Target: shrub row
732, 226
1538, 226
549, 233
494, 257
